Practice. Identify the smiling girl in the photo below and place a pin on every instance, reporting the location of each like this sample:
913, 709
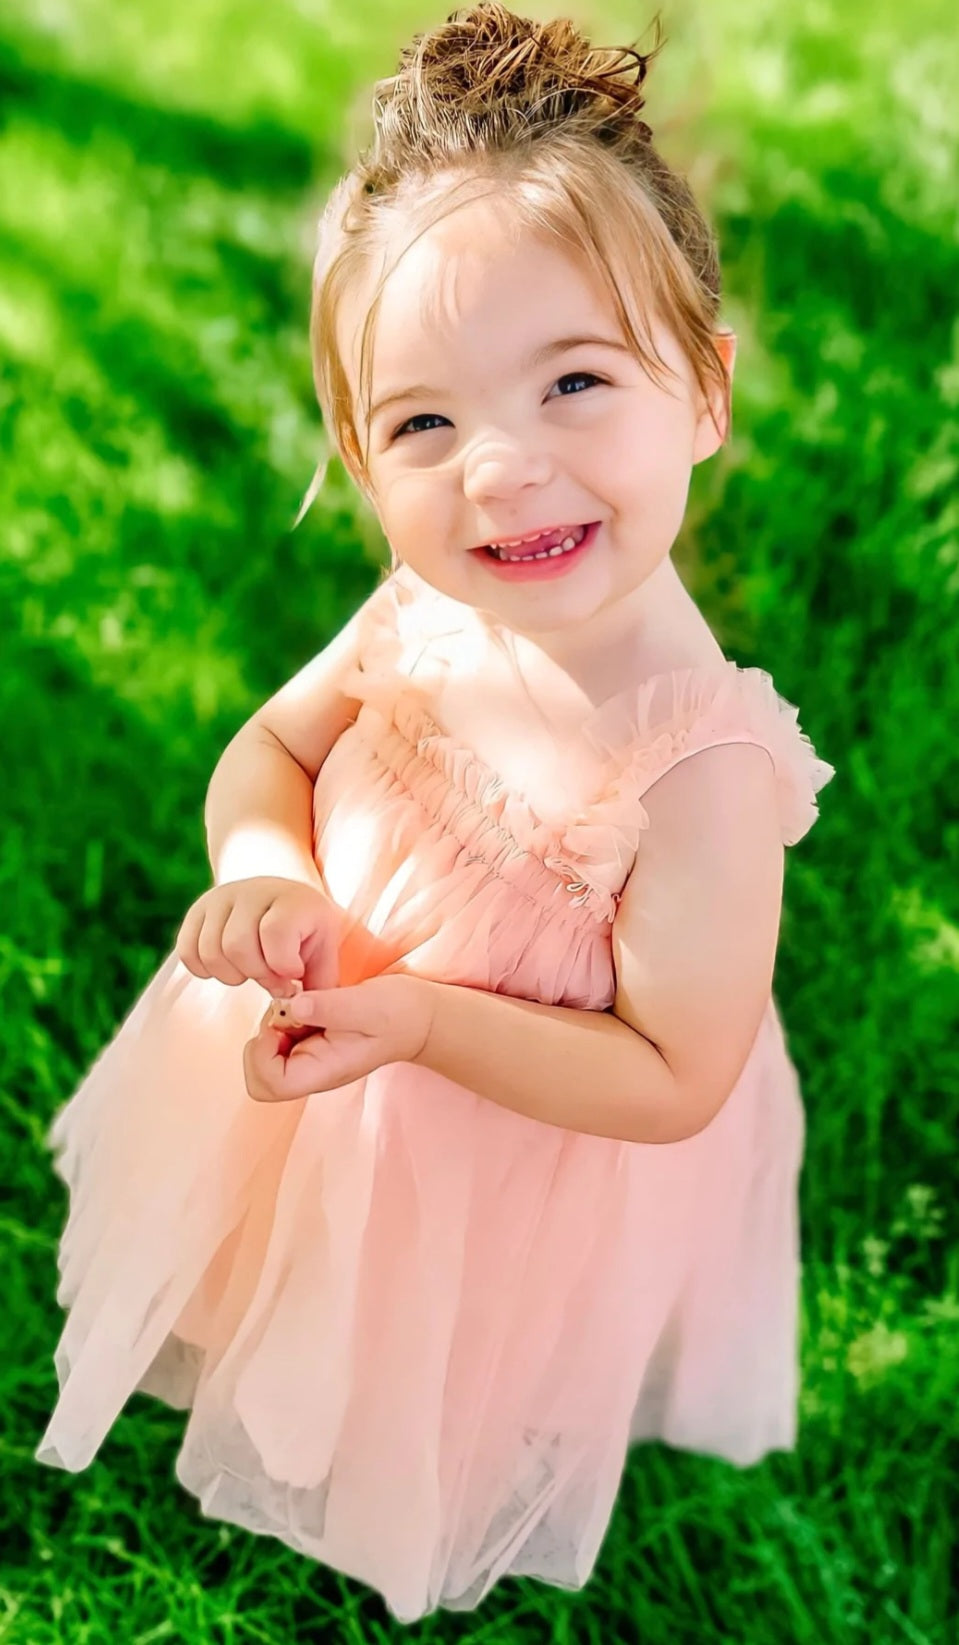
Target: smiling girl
504, 1178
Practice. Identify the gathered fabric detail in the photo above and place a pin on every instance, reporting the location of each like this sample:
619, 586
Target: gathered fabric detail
638, 734
491, 820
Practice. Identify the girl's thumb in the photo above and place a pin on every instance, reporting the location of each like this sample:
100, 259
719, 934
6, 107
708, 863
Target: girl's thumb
322, 968
308, 1007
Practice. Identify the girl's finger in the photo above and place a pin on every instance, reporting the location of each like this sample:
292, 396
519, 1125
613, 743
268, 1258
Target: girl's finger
210, 948
242, 947
346, 1009
321, 957
266, 1068
336, 1059
306, 1068
280, 944
185, 947
259, 1073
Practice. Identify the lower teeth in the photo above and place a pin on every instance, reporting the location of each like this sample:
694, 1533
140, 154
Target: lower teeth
547, 554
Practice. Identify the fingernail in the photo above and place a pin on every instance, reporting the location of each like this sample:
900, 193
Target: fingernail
300, 1008
286, 988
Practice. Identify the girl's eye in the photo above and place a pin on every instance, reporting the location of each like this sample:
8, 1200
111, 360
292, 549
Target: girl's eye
426, 416
578, 377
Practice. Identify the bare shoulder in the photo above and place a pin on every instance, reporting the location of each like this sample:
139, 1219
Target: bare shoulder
311, 711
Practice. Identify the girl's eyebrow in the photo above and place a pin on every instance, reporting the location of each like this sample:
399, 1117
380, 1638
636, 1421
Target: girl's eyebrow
560, 345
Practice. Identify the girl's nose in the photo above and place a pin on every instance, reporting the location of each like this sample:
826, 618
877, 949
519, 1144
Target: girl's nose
498, 468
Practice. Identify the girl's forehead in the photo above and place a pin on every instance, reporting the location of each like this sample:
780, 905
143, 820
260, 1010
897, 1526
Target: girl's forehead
465, 278
470, 260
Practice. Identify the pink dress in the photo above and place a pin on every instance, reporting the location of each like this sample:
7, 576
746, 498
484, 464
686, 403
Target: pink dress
416, 1332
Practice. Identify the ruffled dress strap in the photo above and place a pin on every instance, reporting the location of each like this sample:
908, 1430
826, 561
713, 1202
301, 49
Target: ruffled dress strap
396, 627
646, 731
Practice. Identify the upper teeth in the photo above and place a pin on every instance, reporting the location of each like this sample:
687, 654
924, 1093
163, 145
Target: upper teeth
572, 541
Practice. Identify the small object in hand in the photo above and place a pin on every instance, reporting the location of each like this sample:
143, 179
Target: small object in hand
278, 1015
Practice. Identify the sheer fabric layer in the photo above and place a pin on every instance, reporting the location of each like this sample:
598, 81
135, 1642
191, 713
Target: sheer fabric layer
414, 1333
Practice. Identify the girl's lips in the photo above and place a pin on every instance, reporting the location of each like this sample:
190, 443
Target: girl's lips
523, 571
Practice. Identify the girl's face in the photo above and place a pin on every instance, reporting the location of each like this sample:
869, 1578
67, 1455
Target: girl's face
519, 429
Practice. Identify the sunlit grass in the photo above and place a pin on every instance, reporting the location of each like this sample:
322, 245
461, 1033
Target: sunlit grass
160, 169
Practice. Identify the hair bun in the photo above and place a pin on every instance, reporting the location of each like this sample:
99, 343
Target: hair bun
485, 59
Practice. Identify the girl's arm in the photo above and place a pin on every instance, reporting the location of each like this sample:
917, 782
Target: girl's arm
259, 811
694, 949
584, 1070
259, 803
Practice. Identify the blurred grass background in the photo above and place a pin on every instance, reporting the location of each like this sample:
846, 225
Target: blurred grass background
161, 167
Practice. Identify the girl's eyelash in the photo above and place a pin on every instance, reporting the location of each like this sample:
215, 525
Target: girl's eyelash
567, 377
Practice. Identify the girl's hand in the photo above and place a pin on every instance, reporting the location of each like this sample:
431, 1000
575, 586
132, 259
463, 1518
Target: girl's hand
275, 931
358, 1029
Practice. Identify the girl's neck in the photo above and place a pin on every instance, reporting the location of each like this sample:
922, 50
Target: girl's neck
655, 628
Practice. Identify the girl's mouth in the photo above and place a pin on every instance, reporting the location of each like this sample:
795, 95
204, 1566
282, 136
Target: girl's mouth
533, 567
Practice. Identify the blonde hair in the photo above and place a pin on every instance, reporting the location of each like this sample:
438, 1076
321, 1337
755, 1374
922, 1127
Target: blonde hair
489, 101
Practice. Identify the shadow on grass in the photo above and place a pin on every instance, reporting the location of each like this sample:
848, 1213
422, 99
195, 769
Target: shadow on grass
104, 842
260, 154
235, 562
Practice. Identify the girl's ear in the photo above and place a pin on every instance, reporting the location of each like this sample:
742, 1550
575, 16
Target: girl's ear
707, 440
726, 349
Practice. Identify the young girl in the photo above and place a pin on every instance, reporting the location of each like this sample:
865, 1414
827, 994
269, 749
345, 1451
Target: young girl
504, 1179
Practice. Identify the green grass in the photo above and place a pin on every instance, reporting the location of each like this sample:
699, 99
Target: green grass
159, 171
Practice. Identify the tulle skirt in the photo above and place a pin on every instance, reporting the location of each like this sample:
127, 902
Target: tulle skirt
414, 1332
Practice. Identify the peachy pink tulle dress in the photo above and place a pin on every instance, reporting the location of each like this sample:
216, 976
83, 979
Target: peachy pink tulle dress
416, 1332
